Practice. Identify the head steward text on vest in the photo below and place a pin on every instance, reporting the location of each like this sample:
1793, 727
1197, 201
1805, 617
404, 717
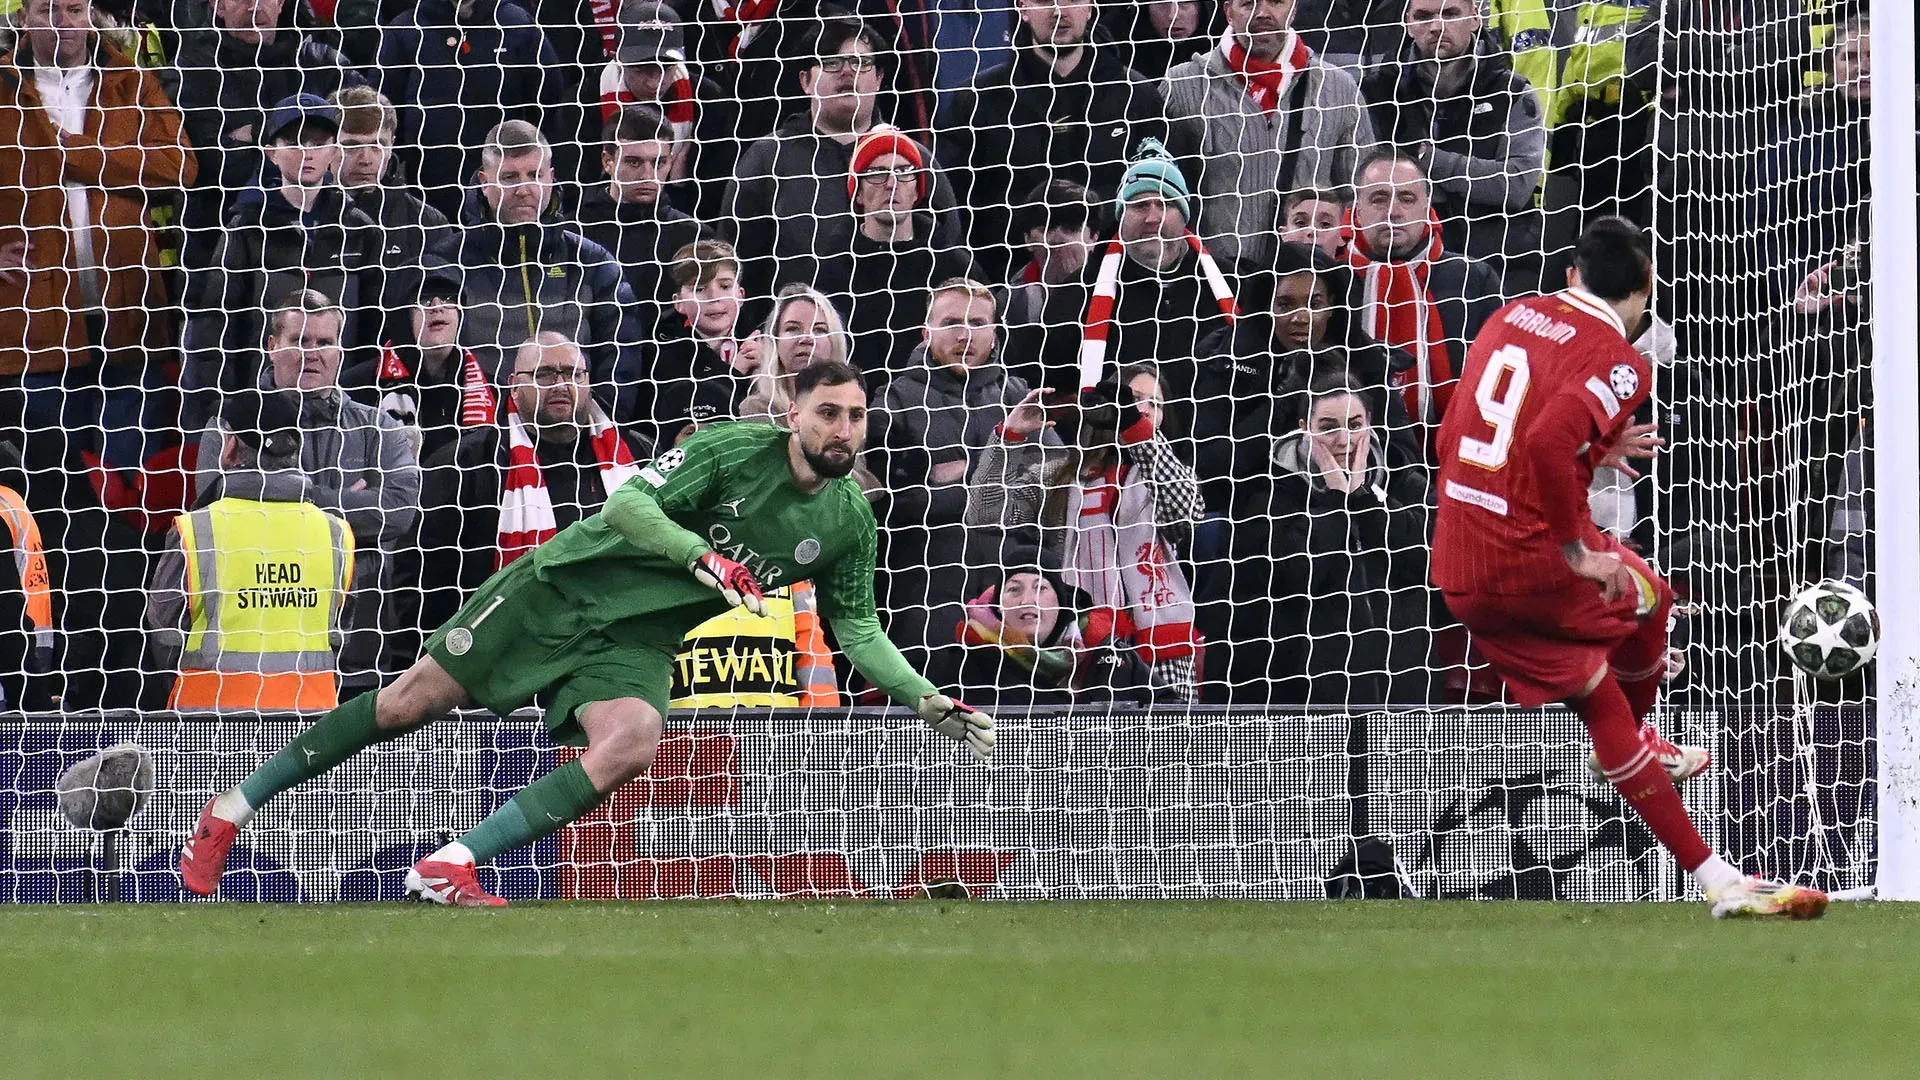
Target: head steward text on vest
289, 593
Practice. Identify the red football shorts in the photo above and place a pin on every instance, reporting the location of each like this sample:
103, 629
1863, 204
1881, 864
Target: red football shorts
1547, 645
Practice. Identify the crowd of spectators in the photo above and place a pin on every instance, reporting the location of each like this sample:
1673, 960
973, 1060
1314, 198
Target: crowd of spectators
1158, 303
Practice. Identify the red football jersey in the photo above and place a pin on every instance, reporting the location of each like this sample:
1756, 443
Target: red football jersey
1548, 387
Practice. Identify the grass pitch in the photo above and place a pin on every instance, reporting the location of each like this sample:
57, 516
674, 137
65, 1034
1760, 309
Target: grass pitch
954, 989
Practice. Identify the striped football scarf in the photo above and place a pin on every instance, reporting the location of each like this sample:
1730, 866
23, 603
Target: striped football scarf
1106, 292
478, 404
1266, 80
526, 510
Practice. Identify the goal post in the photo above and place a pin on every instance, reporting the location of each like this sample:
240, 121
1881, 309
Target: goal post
1896, 435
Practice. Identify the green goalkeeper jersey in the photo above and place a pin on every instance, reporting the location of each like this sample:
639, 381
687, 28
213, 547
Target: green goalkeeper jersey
729, 489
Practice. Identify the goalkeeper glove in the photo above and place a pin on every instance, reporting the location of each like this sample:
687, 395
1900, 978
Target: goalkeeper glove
735, 582
959, 722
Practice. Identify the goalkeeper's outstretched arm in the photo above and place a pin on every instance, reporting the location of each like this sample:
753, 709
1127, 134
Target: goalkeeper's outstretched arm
866, 645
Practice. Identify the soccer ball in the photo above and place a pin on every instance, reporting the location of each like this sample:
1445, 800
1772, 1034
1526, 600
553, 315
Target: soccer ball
1831, 630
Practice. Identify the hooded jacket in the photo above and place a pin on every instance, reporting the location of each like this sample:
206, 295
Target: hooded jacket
1019, 125
1324, 598
129, 153
521, 279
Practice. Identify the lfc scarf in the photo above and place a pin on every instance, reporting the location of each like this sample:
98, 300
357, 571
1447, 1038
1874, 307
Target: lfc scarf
1400, 312
1116, 555
478, 404
749, 15
1098, 325
526, 510
1266, 80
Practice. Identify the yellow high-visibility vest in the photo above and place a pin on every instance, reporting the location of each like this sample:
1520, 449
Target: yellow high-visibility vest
741, 659
1596, 62
265, 586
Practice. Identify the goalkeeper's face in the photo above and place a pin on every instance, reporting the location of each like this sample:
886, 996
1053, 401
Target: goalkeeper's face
831, 424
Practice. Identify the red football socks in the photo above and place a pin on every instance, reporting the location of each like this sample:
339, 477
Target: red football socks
1636, 774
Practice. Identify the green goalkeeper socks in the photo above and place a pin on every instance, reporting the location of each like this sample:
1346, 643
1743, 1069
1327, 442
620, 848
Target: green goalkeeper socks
543, 806
339, 735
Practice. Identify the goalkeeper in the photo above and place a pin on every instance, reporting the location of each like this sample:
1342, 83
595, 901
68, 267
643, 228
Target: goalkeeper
589, 622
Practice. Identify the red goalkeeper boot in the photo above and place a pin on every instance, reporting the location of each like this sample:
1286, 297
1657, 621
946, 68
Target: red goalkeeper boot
453, 884
1680, 762
204, 855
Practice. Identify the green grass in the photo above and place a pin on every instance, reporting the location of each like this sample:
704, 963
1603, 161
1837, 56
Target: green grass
945, 989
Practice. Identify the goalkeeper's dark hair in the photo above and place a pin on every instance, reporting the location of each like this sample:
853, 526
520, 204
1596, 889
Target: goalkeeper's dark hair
1614, 259
825, 373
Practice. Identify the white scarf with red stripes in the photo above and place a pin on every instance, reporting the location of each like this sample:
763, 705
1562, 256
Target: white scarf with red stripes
526, 510
1115, 553
677, 103
1106, 293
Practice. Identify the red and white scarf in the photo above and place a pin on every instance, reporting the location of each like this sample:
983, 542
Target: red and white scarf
1266, 81
1106, 293
1116, 554
750, 15
677, 102
1400, 312
478, 404
526, 510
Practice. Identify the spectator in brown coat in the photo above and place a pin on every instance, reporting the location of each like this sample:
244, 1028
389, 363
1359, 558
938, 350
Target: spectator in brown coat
85, 136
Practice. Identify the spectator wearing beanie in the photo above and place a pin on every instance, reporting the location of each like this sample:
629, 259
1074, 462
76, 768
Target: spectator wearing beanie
787, 199
880, 280
1149, 296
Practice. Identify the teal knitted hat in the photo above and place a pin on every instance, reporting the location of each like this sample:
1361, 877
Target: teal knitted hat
1154, 172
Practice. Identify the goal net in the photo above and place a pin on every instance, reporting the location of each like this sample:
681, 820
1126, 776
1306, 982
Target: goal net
1156, 308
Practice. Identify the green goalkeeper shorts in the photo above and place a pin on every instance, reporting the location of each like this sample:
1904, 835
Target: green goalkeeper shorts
517, 642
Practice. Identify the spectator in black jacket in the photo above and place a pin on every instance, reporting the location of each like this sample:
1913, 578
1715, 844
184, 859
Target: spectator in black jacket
1297, 325
233, 61
579, 455
700, 369
291, 230
424, 378
1067, 107
629, 215
1154, 36
1059, 225
1450, 97
524, 273
880, 279
790, 196
459, 68
410, 230
1326, 601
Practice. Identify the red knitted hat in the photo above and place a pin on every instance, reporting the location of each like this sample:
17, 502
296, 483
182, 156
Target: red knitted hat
882, 140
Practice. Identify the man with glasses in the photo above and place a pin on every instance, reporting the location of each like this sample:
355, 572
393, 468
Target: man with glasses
499, 490
788, 198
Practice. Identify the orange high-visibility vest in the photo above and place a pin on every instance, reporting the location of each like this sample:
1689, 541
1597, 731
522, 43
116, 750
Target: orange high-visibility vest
30, 560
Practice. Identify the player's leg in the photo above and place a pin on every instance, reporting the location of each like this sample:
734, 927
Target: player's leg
1639, 665
1637, 774
622, 736
425, 692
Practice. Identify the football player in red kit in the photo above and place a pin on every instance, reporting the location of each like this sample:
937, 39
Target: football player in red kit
1560, 610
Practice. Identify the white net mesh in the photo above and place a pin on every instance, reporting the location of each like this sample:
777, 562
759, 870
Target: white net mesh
502, 256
